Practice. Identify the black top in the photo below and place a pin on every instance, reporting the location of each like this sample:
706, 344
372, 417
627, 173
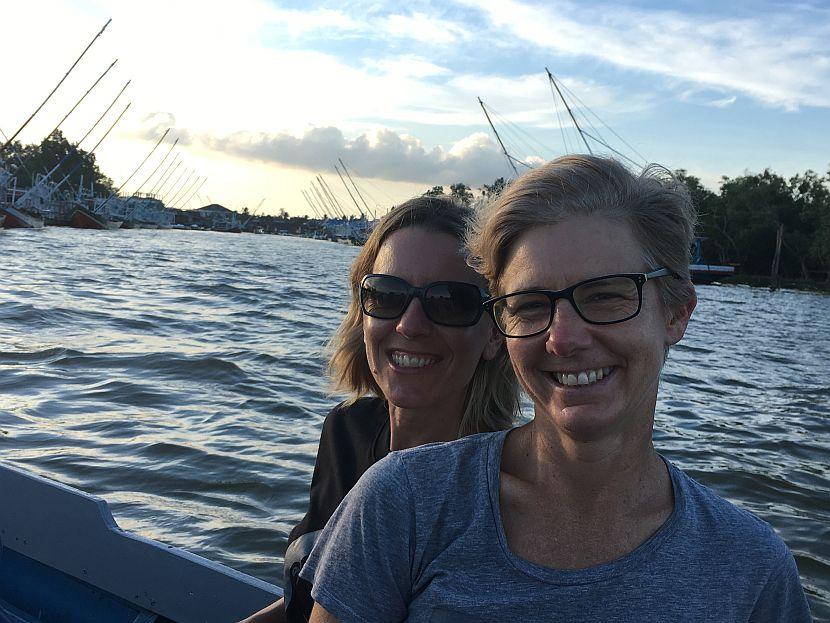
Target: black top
353, 439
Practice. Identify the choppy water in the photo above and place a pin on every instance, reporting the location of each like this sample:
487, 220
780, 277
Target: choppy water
179, 376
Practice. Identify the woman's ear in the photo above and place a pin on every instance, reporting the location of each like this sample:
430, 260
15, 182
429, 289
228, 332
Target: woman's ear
495, 341
678, 318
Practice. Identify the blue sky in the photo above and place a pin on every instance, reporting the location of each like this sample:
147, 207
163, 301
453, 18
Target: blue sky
263, 95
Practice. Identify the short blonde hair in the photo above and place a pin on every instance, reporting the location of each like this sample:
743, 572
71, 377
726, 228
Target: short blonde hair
654, 204
492, 395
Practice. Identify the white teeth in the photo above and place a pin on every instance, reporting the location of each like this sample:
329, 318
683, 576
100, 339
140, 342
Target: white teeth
585, 377
410, 361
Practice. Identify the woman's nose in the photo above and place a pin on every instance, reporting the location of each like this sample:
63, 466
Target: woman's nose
414, 322
568, 332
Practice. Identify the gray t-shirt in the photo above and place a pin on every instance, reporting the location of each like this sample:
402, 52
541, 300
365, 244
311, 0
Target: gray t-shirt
420, 538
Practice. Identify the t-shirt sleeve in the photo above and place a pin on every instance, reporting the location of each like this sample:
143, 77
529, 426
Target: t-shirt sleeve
782, 599
361, 564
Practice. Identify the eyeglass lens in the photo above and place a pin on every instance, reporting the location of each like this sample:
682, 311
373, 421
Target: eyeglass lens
608, 300
449, 303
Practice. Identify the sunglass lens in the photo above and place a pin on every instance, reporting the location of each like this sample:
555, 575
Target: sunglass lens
453, 304
383, 297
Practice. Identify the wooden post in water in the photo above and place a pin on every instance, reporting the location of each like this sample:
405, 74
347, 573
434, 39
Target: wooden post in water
779, 238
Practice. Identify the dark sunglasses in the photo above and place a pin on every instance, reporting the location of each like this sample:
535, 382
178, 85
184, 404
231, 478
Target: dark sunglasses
448, 303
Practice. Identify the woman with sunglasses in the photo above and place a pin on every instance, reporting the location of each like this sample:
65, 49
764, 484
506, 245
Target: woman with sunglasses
421, 361
573, 516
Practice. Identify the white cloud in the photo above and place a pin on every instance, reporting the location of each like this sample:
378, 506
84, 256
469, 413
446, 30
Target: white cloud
782, 59
424, 28
724, 102
383, 154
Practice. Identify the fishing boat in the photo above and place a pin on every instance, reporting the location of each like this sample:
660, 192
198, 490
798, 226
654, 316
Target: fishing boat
64, 558
82, 218
2, 220
19, 217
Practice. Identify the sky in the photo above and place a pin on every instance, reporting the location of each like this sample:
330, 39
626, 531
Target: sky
264, 96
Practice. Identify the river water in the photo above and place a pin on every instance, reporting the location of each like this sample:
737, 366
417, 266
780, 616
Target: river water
179, 375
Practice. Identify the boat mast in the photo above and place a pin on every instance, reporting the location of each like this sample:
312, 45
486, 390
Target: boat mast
48, 97
357, 190
332, 199
124, 88
149, 177
174, 203
181, 191
313, 207
118, 190
570, 112
498, 138
91, 151
350, 192
324, 202
325, 186
198, 188
88, 91
164, 177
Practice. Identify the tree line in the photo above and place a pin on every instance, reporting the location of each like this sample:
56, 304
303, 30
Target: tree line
740, 224
29, 162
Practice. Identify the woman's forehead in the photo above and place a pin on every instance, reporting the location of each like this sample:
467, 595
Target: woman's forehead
422, 256
578, 248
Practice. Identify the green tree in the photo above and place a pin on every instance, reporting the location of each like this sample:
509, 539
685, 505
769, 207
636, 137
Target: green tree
462, 193
754, 207
811, 193
494, 189
435, 191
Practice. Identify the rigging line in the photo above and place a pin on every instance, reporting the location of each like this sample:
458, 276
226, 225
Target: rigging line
516, 142
498, 138
48, 97
520, 130
565, 102
516, 146
124, 88
78, 103
610, 129
559, 120
176, 195
620, 154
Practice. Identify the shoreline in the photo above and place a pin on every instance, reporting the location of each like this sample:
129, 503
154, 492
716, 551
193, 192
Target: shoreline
763, 281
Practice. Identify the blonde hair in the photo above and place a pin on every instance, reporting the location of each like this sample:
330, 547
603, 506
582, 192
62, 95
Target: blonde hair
654, 204
492, 395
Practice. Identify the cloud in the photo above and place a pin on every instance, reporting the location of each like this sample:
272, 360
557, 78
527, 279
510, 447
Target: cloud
423, 28
383, 154
781, 59
724, 102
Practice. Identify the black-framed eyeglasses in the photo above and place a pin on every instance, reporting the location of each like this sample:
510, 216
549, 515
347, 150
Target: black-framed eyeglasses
602, 300
448, 303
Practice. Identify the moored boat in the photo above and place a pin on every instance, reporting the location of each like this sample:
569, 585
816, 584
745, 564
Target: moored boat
85, 219
63, 558
17, 217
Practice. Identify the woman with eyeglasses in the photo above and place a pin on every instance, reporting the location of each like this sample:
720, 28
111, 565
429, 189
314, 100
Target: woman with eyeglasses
573, 516
420, 359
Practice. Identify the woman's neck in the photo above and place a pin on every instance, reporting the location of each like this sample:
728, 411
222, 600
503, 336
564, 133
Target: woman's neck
409, 428
604, 471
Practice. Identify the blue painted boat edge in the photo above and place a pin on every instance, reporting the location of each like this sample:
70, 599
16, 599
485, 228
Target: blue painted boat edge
75, 533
